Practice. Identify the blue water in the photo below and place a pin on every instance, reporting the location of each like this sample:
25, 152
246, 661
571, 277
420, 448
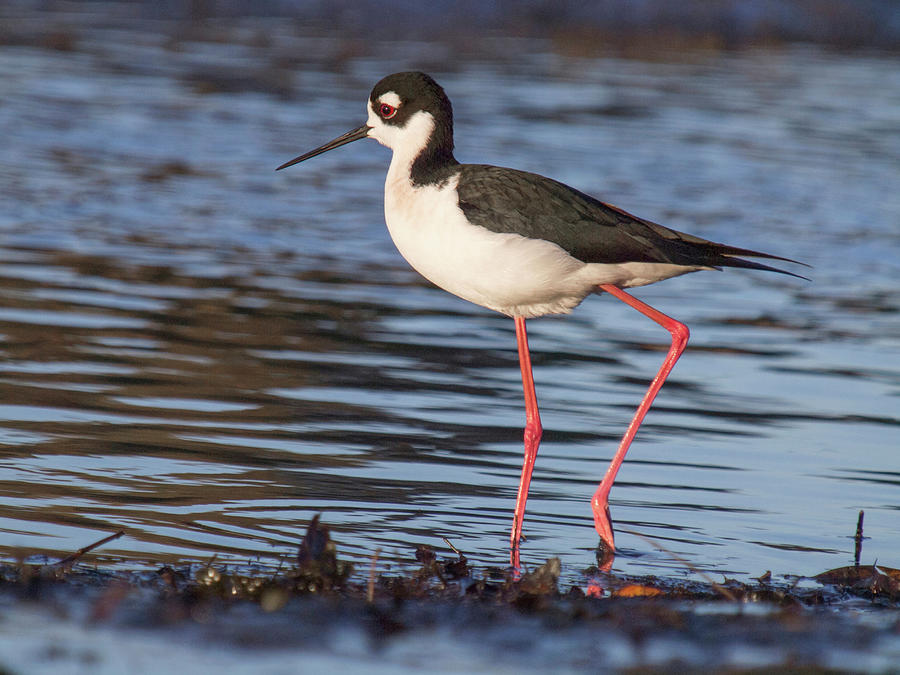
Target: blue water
206, 353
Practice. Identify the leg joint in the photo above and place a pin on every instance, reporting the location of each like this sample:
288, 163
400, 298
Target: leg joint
533, 433
680, 332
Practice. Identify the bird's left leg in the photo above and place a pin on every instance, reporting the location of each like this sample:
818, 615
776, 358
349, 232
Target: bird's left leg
680, 334
533, 431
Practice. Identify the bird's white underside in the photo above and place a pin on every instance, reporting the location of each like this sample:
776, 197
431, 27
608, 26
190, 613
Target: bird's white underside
509, 273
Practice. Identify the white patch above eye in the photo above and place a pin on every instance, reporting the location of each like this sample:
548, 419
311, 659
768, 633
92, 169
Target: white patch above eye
391, 99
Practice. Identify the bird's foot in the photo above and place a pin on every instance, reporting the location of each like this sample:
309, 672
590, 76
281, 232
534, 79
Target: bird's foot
606, 553
514, 560
602, 520
606, 549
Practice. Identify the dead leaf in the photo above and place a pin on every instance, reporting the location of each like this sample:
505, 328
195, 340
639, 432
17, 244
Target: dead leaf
637, 591
847, 576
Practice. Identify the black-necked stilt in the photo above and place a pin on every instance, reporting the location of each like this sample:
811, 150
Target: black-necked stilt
520, 244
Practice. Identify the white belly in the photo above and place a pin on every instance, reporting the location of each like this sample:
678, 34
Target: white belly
508, 273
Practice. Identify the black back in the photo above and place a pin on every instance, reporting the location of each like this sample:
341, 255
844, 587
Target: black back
511, 201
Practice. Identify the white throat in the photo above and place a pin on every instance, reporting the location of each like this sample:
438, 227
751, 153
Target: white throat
406, 141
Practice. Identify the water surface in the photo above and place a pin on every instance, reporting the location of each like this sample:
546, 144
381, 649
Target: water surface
206, 353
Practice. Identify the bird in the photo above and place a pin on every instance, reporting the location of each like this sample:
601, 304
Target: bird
523, 245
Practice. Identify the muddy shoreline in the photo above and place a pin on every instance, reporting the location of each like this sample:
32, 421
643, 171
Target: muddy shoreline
843, 620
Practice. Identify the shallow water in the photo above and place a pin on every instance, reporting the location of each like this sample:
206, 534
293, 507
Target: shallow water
206, 353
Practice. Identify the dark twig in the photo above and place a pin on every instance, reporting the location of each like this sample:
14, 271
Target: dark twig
859, 538
452, 547
71, 559
728, 595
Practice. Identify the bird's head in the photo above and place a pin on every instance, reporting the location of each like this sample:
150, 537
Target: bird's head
407, 112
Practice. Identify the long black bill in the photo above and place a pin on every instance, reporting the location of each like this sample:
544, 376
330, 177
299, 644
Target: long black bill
349, 137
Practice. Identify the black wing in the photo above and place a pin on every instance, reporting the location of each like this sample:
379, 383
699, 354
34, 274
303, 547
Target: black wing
511, 201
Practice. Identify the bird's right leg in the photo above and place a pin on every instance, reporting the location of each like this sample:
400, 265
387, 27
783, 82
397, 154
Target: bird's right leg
533, 431
680, 334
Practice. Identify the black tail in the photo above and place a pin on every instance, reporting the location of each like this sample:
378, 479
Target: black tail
725, 256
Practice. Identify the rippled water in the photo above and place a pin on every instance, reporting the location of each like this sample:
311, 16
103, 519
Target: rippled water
206, 353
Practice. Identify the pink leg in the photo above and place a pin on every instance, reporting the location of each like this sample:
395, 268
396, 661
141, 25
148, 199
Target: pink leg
533, 431
680, 334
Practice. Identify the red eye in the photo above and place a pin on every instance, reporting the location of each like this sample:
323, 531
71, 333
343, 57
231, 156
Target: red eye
387, 111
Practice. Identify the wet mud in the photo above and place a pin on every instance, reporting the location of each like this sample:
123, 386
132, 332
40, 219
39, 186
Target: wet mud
845, 619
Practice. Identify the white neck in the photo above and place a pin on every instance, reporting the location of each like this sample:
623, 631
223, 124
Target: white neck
406, 141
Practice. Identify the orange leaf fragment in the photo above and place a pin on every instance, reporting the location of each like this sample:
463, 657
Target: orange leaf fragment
637, 591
